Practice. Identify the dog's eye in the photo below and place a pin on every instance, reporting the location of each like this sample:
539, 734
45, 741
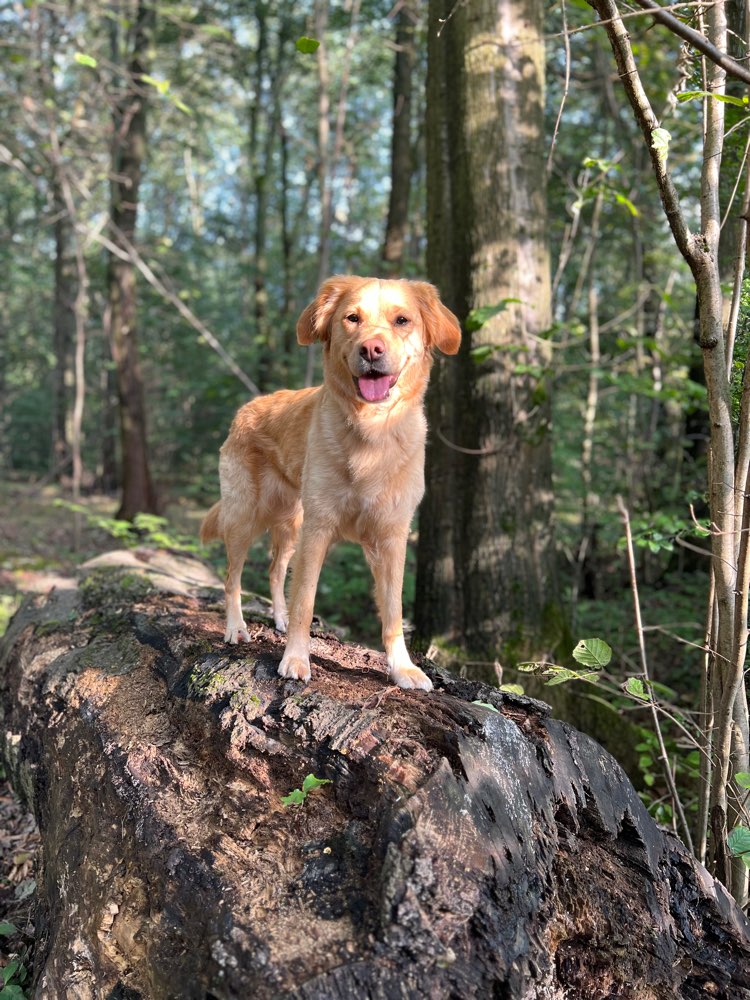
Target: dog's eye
352, 318
402, 320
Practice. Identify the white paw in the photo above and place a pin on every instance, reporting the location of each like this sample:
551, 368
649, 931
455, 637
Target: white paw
295, 667
411, 677
235, 633
281, 621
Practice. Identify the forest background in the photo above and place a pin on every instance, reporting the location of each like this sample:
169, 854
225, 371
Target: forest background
177, 180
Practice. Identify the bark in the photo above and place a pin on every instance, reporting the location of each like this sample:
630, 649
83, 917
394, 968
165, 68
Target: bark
460, 849
128, 152
485, 561
402, 156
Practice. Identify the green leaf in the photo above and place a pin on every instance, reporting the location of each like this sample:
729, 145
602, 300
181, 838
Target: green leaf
739, 841
161, 85
743, 779
512, 688
312, 782
295, 798
8, 971
307, 45
644, 762
592, 653
694, 95
649, 780
482, 352
660, 139
84, 60
12, 992
530, 668
622, 199
485, 704
478, 317
7, 929
637, 688
560, 676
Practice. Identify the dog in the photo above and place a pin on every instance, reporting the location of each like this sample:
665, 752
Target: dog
344, 460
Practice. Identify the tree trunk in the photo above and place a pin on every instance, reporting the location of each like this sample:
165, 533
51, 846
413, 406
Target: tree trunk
63, 334
466, 845
128, 151
402, 154
485, 560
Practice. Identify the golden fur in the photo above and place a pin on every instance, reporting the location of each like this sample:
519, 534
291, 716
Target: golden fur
349, 453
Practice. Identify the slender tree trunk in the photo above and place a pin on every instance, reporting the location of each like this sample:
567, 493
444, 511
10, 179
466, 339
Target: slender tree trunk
485, 558
402, 154
128, 151
64, 326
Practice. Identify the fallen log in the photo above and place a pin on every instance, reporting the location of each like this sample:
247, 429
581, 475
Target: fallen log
465, 843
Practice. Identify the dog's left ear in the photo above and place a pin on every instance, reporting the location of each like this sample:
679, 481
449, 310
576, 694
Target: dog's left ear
441, 327
315, 321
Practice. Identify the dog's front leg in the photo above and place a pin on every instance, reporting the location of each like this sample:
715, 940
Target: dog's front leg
386, 560
305, 572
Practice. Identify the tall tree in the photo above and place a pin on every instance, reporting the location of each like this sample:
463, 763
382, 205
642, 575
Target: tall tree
402, 155
485, 573
128, 151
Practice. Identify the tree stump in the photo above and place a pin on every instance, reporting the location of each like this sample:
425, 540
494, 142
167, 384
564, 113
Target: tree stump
460, 849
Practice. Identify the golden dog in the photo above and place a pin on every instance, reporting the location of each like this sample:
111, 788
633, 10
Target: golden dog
348, 455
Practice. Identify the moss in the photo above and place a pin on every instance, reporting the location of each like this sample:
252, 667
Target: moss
9, 604
104, 587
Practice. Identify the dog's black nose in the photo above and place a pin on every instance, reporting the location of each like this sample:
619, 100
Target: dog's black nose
372, 349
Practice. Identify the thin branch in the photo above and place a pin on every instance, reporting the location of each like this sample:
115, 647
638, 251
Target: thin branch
644, 666
696, 39
566, 85
128, 252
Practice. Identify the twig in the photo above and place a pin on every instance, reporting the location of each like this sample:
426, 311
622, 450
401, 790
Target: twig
644, 666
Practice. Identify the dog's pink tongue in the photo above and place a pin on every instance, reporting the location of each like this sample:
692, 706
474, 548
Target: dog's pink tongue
375, 389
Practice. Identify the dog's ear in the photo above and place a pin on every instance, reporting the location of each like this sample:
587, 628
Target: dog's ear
442, 329
315, 321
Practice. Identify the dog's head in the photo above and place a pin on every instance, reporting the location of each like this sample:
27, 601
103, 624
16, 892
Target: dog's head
379, 335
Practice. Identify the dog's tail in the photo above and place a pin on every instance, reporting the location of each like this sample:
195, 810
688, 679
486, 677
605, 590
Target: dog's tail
210, 525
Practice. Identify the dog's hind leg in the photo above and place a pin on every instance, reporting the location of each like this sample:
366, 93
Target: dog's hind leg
283, 542
237, 540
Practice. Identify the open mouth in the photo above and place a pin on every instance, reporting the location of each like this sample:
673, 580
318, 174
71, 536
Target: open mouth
375, 388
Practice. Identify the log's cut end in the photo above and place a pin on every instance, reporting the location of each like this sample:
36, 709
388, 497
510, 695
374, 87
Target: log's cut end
457, 850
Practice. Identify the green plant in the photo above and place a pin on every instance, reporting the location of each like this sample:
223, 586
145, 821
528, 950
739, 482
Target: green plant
298, 795
144, 529
14, 974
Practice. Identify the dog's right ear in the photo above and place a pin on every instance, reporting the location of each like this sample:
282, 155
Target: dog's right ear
315, 321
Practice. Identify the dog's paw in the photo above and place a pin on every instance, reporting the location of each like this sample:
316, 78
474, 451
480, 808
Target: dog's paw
281, 621
411, 677
295, 667
235, 633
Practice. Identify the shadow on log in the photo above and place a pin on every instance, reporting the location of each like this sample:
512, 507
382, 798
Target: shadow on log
459, 850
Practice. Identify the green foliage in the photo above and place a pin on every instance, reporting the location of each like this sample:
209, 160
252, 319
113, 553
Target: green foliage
592, 653
144, 529
660, 140
15, 977
307, 45
739, 844
298, 796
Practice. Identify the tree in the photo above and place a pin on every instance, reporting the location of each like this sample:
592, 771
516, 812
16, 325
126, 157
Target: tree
402, 152
128, 152
485, 574
725, 706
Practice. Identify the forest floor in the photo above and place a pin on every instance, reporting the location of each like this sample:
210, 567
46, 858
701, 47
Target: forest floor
42, 542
